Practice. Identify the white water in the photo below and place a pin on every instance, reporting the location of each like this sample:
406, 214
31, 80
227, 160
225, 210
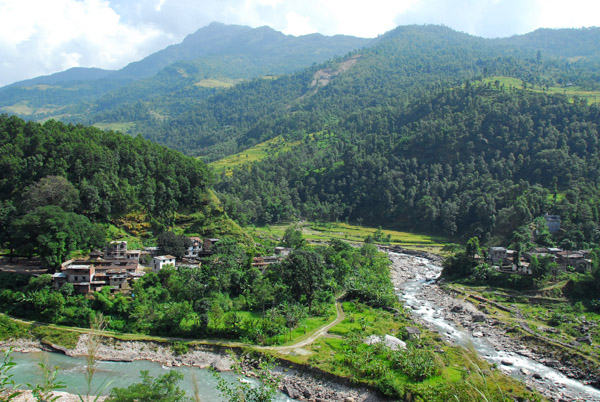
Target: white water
413, 295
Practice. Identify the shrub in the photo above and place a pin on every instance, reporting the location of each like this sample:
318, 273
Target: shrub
417, 364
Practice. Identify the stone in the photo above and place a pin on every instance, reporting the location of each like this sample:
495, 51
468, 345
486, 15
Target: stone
479, 318
477, 334
537, 376
456, 309
506, 363
585, 339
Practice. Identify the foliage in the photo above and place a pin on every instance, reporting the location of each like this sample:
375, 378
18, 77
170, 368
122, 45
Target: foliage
172, 244
161, 389
8, 387
44, 391
51, 190
417, 364
245, 392
53, 234
103, 174
292, 237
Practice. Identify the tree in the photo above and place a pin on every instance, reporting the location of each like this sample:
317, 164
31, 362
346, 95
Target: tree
161, 389
293, 237
304, 274
51, 190
53, 234
175, 245
245, 392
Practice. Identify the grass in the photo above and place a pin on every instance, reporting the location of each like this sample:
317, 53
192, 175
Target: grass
255, 154
56, 336
22, 108
319, 231
123, 127
571, 91
213, 83
334, 354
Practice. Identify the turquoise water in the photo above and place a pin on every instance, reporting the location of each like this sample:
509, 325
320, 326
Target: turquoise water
117, 374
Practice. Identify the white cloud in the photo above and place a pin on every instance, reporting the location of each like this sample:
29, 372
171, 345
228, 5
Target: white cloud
42, 36
569, 14
298, 24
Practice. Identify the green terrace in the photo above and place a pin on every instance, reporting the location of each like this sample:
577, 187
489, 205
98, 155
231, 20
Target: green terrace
571, 91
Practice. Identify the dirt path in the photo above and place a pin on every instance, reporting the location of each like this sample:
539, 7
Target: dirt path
313, 337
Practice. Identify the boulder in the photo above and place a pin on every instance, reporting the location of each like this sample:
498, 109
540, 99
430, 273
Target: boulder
291, 391
456, 309
479, 318
585, 339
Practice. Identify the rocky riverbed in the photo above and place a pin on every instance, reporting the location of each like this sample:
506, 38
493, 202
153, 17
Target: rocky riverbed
298, 384
462, 323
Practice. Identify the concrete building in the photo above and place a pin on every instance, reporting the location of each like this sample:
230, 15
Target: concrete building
159, 262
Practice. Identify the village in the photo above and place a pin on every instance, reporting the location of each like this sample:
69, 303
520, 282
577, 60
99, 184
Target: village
117, 266
511, 261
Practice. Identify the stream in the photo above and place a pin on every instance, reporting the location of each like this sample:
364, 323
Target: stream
414, 277
116, 374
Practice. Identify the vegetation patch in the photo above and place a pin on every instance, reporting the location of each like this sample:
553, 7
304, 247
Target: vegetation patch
123, 127
56, 336
251, 155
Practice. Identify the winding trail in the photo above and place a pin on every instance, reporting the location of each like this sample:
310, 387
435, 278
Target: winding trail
319, 332
316, 334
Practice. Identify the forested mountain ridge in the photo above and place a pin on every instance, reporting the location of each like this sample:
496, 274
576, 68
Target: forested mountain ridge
394, 69
471, 161
73, 177
215, 51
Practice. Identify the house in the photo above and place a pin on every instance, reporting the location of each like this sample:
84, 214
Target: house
283, 251
93, 274
117, 250
553, 223
194, 250
208, 244
159, 262
575, 259
262, 262
497, 254
82, 277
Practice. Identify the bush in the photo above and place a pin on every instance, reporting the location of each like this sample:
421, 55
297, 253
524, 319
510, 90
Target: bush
417, 364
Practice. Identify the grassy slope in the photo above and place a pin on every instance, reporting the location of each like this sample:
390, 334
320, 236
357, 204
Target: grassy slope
255, 154
318, 231
571, 91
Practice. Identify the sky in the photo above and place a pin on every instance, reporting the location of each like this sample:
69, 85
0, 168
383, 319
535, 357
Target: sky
40, 37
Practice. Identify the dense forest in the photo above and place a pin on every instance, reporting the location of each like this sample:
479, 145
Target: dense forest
394, 70
471, 161
62, 179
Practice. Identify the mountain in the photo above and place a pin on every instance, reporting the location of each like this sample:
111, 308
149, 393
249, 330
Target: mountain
282, 53
225, 52
70, 75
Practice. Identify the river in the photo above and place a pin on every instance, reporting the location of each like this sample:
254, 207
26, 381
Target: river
414, 278
116, 374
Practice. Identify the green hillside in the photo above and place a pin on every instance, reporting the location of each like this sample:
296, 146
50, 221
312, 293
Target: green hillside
217, 52
470, 161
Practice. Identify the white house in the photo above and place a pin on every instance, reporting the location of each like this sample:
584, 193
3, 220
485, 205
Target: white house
158, 263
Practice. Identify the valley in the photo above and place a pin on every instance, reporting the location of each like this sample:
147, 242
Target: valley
275, 195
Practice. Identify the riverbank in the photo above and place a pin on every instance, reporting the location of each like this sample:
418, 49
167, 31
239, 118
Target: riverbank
461, 322
300, 384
